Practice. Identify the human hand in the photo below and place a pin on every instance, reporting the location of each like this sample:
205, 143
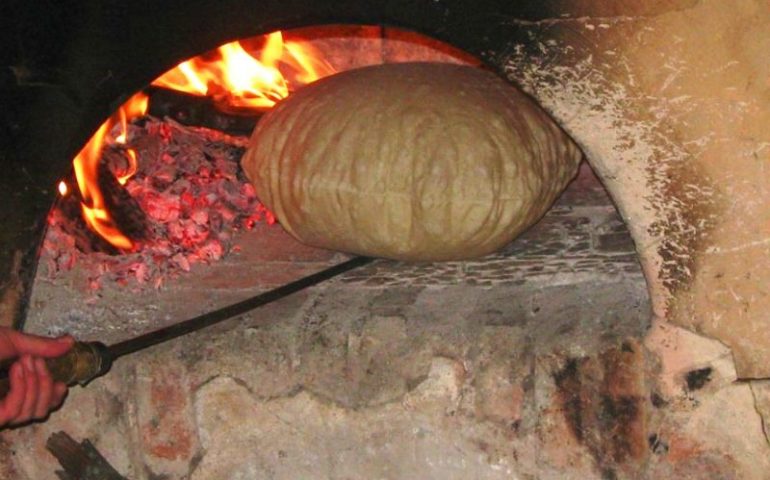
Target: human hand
33, 393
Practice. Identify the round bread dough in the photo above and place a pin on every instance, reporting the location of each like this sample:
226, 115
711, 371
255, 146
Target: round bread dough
415, 161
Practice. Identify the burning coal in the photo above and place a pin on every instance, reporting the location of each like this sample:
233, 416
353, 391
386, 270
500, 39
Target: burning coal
189, 191
86, 167
234, 77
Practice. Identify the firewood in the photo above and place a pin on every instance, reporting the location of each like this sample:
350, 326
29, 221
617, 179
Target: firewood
80, 461
126, 212
182, 206
199, 111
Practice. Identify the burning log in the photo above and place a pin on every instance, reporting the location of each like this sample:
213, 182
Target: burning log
183, 193
229, 88
66, 217
194, 110
182, 205
80, 460
127, 213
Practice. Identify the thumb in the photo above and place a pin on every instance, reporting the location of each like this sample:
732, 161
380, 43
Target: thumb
40, 346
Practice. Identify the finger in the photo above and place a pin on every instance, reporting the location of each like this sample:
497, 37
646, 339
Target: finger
12, 403
30, 396
45, 389
39, 346
59, 394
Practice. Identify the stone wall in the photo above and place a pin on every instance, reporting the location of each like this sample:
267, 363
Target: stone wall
483, 368
670, 107
668, 101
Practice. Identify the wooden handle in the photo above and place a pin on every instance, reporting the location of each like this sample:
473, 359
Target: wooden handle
81, 364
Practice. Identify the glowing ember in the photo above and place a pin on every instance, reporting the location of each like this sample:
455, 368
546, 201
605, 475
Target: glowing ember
63, 189
194, 199
135, 107
230, 75
86, 166
235, 78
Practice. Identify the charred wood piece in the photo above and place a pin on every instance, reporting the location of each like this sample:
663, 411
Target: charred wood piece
80, 461
70, 220
125, 211
193, 110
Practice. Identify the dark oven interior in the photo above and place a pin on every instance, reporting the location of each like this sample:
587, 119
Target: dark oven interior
68, 65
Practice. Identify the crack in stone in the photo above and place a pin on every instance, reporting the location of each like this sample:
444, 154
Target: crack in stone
763, 421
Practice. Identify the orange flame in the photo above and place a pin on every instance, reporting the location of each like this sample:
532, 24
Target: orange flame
136, 106
232, 76
86, 166
237, 79
133, 165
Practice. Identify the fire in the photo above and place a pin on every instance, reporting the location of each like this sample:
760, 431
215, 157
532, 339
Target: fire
86, 166
235, 78
232, 76
135, 107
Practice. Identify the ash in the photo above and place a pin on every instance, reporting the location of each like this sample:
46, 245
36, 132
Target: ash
189, 194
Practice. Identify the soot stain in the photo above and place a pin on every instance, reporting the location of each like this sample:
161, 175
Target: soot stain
603, 403
697, 379
568, 381
687, 201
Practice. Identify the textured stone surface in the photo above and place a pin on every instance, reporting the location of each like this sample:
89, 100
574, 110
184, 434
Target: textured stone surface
428, 382
705, 424
604, 401
167, 435
761, 391
429, 371
667, 100
562, 249
684, 355
305, 437
694, 200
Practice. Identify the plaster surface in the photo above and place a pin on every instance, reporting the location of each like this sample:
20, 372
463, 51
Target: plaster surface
670, 107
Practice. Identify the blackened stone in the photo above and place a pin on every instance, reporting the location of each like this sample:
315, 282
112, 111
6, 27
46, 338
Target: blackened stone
697, 379
615, 242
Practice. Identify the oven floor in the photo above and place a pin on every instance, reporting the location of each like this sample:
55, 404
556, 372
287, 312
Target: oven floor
581, 241
518, 365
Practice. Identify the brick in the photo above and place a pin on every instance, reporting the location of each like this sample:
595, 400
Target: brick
585, 190
273, 243
167, 435
499, 398
344, 47
604, 400
407, 46
614, 243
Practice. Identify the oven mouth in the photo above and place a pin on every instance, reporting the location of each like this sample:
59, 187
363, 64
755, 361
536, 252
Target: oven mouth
77, 263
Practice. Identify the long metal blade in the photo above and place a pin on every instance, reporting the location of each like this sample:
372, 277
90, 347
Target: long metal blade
207, 319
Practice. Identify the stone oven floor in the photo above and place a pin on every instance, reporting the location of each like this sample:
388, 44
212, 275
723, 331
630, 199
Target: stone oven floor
537, 362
